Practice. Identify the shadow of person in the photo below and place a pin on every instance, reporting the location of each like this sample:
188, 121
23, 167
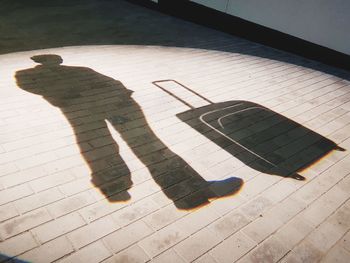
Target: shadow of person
89, 99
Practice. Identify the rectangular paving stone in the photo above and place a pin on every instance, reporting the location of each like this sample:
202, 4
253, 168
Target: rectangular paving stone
229, 224
232, 248
132, 254
99, 209
304, 253
49, 252
17, 245
95, 252
271, 250
345, 241
162, 240
7, 211
51, 180
294, 231
134, 212
38, 200
164, 217
58, 227
206, 258
23, 176
8, 168
127, 236
336, 254
256, 207
92, 232
194, 247
196, 221
14, 193
24, 222
169, 256
319, 210
70, 204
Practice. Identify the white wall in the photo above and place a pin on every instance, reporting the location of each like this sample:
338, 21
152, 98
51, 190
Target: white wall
324, 22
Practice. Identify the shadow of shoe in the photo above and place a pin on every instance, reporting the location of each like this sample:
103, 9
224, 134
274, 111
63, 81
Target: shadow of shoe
115, 191
210, 191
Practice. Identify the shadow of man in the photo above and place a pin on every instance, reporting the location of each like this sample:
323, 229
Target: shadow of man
89, 99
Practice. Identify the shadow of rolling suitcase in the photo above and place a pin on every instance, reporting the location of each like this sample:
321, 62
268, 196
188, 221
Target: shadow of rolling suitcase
257, 136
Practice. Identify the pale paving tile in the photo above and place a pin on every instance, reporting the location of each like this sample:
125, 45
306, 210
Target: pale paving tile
206, 258
337, 254
174, 233
49, 252
38, 200
24, 222
319, 210
193, 247
345, 242
36, 160
344, 184
225, 205
51, 180
17, 245
99, 209
305, 253
331, 230
58, 227
256, 207
162, 240
229, 224
8, 168
70, 204
317, 187
23, 176
169, 256
76, 186
8, 211
257, 185
294, 231
262, 227
164, 217
127, 236
14, 193
321, 239
92, 232
197, 220
133, 254
271, 250
273, 219
134, 212
232, 248
95, 252
281, 190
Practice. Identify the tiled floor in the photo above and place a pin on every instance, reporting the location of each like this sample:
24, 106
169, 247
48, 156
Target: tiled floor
98, 163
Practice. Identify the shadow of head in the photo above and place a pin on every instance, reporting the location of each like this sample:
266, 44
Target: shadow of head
48, 59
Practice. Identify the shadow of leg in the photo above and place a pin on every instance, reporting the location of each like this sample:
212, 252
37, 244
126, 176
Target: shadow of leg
108, 170
179, 181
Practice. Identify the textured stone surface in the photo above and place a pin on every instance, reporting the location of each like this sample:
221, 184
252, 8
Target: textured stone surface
96, 166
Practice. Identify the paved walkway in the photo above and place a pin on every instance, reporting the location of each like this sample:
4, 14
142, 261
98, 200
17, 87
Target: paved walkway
98, 164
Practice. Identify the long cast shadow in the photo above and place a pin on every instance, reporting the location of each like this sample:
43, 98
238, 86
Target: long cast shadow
259, 137
88, 99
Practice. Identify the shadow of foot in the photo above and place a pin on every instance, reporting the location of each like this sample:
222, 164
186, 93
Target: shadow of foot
210, 191
115, 191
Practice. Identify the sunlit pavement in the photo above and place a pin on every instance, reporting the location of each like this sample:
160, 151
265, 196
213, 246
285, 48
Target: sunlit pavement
118, 176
